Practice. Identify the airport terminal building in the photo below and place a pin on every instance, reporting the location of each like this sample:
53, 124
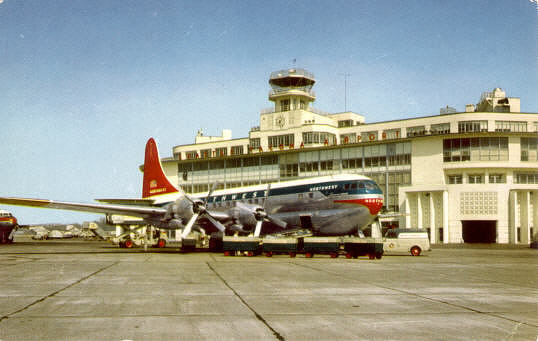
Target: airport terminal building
464, 176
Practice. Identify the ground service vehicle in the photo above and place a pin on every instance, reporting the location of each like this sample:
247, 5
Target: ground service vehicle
399, 241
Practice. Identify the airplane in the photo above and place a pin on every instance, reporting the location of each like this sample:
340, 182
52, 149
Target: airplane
8, 224
334, 205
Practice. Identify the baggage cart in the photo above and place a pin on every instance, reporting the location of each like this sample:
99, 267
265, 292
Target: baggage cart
321, 245
355, 247
272, 246
233, 245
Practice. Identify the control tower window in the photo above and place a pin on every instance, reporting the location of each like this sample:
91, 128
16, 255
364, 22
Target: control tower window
302, 105
285, 105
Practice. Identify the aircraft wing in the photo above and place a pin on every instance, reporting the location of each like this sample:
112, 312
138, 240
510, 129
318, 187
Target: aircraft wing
130, 202
134, 211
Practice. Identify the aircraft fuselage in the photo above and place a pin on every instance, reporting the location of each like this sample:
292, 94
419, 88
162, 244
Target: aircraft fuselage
332, 205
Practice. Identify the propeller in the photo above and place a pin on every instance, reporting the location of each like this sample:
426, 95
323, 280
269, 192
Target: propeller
260, 215
199, 208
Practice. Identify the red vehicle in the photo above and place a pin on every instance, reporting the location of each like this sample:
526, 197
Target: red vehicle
7, 223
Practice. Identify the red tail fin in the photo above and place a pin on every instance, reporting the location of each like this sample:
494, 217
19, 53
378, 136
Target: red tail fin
155, 182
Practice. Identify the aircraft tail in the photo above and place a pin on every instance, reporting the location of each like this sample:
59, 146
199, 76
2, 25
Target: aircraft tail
155, 181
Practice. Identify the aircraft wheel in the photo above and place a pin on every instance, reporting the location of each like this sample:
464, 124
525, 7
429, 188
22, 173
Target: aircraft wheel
309, 255
128, 244
121, 244
415, 251
378, 255
161, 243
371, 256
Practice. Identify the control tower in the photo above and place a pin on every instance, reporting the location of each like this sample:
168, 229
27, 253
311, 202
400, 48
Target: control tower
291, 89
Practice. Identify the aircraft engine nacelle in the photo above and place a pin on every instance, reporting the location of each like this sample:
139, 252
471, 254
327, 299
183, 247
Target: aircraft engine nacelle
175, 224
243, 219
180, 210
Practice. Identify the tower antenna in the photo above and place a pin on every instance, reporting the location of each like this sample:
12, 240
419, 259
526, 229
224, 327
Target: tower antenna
346, 75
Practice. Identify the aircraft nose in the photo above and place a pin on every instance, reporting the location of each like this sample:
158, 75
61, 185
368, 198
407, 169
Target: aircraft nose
373, 204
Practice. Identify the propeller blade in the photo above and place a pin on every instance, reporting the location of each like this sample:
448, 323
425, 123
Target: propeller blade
276, 221
213, 187
215, 222
189, 225
258, 228
188, 198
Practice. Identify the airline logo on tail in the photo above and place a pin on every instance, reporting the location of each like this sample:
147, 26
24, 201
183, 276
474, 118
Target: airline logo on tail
155, 182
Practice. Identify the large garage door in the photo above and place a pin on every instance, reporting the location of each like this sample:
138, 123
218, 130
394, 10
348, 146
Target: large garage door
479, 231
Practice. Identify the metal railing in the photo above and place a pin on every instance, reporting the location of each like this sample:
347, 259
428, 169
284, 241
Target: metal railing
292, 71
299, 88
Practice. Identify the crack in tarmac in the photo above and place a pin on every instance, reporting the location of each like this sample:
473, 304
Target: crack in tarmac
7, 316
258, 316
493, 314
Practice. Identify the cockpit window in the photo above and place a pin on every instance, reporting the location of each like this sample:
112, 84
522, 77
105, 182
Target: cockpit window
370, 185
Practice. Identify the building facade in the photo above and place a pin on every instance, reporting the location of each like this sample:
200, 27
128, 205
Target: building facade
464, 176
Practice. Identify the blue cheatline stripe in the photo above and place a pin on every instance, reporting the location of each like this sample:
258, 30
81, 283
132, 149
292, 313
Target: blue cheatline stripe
329, 187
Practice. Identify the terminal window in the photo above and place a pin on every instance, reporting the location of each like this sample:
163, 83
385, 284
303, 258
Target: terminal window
527, 178
497, 179
529, 149
455, 179
237, 150
416, 131
391, 134
280, 140
472, 126
475, 149
345, 123
221, 151
441, 128
510, 126
319, 137
476, 179
255, 142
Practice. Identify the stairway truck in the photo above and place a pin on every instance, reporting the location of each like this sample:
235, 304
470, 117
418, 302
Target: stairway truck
355, 247
321, 245
272, 246
250, 245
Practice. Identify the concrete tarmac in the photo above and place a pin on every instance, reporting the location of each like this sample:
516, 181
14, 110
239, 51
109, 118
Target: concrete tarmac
74, 290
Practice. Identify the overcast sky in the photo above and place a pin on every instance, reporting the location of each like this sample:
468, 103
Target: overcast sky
84, 84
